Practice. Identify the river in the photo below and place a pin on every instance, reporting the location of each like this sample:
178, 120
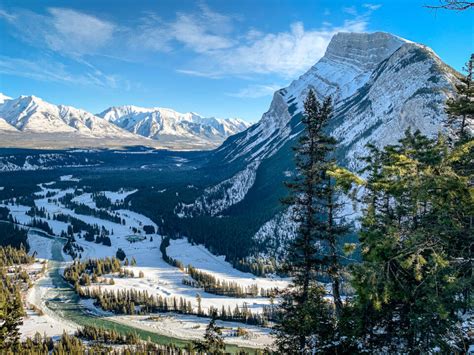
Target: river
62, 300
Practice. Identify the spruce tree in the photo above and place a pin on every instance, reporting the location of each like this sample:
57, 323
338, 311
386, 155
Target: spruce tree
415, 240
460, 109
307, 320
213, 342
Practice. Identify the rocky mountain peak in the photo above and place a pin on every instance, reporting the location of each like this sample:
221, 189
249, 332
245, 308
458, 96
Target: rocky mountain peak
362, 50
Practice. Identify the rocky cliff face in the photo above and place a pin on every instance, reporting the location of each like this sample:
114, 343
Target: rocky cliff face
380, 84
164, 124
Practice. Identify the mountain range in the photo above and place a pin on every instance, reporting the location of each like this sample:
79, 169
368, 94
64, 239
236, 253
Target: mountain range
381, 85
29, 121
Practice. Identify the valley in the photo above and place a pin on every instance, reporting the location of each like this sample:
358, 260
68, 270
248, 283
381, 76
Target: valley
64, 310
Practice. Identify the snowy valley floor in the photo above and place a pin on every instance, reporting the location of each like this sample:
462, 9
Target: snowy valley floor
159, 278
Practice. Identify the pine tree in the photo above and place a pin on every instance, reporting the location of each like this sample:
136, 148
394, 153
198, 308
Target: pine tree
415, 239
314, 250
213, 342
460, 109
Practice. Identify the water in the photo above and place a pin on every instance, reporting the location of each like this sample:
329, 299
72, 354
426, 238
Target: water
63, 301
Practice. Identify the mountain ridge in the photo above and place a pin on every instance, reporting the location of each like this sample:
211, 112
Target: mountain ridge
29, 121
157, 122
403, 86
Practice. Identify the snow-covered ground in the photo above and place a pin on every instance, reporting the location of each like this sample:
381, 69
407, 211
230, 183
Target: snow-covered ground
201, 258
49, 323
193, 327
160, 278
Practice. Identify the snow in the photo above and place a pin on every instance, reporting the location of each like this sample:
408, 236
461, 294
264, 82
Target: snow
217, 198
193, 327
157, 123
68, 178
49, 323
118, 196
40, 245
201, 258
159, 277
32, 114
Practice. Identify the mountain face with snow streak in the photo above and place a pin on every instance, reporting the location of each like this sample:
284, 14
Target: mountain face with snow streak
33, 115
164, 124
380, 84
29, 121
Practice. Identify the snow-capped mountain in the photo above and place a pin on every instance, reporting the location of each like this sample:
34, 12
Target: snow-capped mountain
4, 98
33, 115
380, 85
29, 121
164, 124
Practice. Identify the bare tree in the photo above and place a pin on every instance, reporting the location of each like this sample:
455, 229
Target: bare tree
456, 5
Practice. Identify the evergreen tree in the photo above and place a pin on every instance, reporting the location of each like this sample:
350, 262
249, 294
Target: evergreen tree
314, 250
416, 238
460, 109
213, 342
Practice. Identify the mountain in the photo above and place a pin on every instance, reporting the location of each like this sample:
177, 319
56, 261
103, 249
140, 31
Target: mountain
166, 125
29, 121
380, 84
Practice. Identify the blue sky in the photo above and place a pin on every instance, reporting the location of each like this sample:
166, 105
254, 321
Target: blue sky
218, 58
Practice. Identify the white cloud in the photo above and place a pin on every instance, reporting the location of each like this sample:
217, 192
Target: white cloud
54, 71
218, 48
76, 32
69, 32
350, 10
286, 54
201, 31
255, 91
372, 7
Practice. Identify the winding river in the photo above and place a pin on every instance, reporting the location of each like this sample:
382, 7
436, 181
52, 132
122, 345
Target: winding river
62, 300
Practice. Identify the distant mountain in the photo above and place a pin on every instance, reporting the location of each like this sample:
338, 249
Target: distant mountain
380, 84
165, 125
29, 121
31, 114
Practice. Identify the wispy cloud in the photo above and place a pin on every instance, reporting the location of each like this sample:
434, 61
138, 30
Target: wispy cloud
217, 46
351, 10
255, 91
54, 71
69, 32
285, 54
372, 7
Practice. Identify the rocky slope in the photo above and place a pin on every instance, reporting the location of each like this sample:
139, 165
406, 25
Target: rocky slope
380, 84
31, 122
164, 124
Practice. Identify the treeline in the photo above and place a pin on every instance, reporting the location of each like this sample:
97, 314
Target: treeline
40, 224
209, 282
256, 266
72, 344
165, 243
10, 256
101, 201
13, 235
92, 233
140, 302
80, 272
131, 302
215, 286
37, 212
107, 336
83, 209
